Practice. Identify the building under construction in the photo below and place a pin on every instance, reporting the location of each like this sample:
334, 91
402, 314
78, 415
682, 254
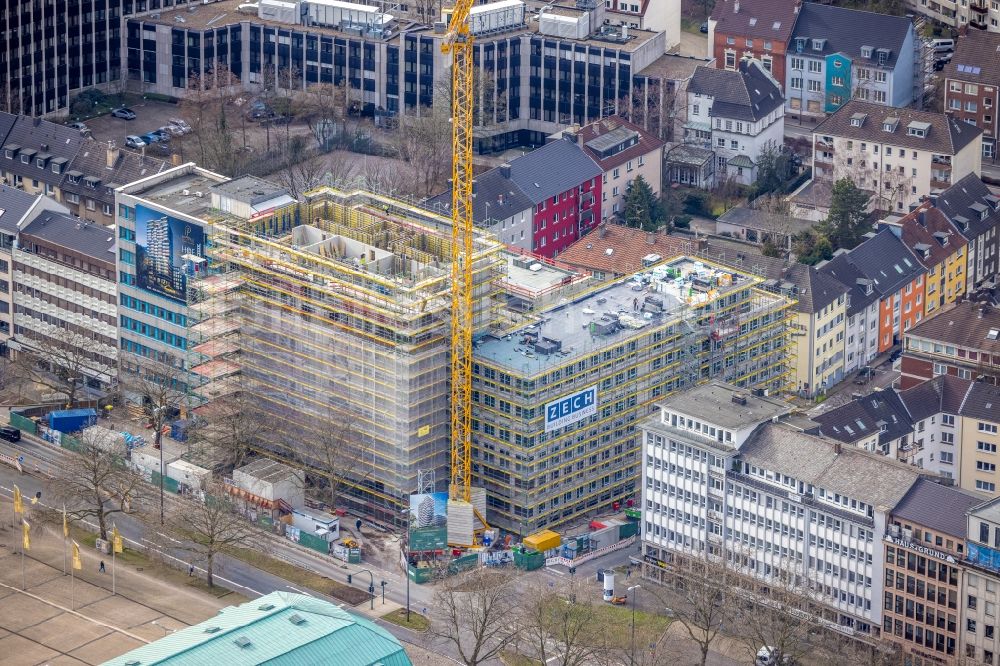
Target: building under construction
336, 329
559, 392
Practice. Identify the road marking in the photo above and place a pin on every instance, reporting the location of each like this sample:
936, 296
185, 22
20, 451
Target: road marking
290, 587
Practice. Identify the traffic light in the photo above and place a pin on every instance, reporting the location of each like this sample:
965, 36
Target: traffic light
348, 579
572, 570
371, 589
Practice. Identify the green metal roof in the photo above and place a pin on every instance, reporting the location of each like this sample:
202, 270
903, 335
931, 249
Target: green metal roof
277, 629
741, 161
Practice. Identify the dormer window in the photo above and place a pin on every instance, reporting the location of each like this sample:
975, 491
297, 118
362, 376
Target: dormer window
818, 44
8, 153
25, 159
918, 129
866, 52
800, 44
890, 124
883, 56
56, 167
858, 119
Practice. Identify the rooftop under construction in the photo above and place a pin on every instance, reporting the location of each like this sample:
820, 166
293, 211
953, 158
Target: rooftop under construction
559, 392
337, 328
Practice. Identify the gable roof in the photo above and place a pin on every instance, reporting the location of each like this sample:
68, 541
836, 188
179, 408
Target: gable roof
866, 416
976, 58
747, 94
929, 234
277, 629
764, 19
615, 249
72, 233
39, 138
614, 131
7, 121
886, 262
847, 30
497, 198
14, 205
552, 169
842, 270
963, 325
944, 393
956, 202
91, 161
814, 290
982, 402
871, 478
937, 507
945, 135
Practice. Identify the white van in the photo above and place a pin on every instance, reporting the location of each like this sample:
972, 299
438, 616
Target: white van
942, 45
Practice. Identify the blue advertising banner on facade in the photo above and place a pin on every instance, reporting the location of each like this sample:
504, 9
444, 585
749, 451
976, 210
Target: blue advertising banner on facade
571, 408
161, 244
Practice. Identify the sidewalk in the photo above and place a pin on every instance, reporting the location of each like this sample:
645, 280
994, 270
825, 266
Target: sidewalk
75, 619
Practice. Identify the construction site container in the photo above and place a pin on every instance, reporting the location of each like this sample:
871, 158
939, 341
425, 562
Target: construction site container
529, 560
626, 530
543, 541
72, 420
604, 538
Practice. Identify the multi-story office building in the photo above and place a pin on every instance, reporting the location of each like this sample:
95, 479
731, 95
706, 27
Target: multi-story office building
924, 552
837, 54
558, 401
65, 297
899, 155
972, 85
566, 67
722, 482
51, 49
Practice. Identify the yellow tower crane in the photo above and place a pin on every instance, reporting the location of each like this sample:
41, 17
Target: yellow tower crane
458, 43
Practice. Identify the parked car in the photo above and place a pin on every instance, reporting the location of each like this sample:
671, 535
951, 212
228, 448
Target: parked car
769, 655
161, 134
172, 130
10, 434
150, 138
704, 28
177, 122
80, 127
894, 356
133, 141
258, 110
127, 114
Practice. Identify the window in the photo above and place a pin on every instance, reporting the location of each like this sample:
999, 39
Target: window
986, 486
814, 86
815, 66
838, 81
947, 457
798, 63
730, 60
695, 109
986, 447
796, 83
878, 96
990, 428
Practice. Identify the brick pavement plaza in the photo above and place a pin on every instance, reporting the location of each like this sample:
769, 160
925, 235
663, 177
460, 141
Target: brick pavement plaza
38, 625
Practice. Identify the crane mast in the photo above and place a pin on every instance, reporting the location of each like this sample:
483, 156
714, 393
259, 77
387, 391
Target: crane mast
459, 44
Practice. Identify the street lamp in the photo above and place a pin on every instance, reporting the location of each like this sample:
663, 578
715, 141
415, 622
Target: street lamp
632, 655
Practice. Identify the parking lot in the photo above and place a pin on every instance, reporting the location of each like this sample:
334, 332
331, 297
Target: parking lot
149, 116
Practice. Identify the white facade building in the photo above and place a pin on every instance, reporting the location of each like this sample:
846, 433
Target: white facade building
737, 114
721, 481
861, 331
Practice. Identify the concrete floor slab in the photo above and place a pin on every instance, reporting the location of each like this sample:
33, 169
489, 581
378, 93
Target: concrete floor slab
65, 632
19, 651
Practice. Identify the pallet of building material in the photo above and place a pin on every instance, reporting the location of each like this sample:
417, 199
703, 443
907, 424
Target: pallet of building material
461, 523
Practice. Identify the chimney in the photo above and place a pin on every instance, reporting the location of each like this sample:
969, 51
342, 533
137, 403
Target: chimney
797, 6
932, 199
569, 134
921, 219
736, 7
651, 239
837, 447
602, 230
113, 154
505, 170
175, 159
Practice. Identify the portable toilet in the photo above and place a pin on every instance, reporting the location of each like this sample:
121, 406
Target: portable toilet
609, 584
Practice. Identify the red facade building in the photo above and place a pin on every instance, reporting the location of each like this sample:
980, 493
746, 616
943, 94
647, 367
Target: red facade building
758, 28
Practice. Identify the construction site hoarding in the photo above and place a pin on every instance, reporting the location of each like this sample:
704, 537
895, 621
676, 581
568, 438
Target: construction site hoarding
428, 521
164, 246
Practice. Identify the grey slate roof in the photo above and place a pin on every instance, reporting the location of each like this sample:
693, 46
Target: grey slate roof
975, 59
937, 507
982, 402
886, 261
762, 220
496, 198
847, 30
91, 160
841, 269
961, 325
93, 240
861, 418
748, 94
871, 478
956, 200
814, 290
946, 136
15, 204
39, 137
944, 393
7, 121
552, 169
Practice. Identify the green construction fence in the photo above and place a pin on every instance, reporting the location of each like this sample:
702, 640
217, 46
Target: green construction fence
23, 423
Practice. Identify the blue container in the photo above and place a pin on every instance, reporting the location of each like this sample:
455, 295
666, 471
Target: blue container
72, 420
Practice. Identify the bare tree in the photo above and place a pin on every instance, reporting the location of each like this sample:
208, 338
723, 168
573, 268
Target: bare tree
477, 613
560, 631
61, 360
98, 482
210, 527
209, 106
339, 452
703, 586
234, 424
384, 176
324, 107
304, 169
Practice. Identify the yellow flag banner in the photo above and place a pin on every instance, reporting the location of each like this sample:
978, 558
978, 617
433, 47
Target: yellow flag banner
116, 539
18, 502
25, 534
65, 523
76, 556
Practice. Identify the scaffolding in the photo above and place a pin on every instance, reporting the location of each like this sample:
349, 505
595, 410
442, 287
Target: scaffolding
339, 325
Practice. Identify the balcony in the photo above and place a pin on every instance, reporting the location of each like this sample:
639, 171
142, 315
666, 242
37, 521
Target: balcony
941, 161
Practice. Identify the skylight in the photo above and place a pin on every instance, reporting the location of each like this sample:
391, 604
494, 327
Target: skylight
777, 24
992, 335
753, 21
969, 69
